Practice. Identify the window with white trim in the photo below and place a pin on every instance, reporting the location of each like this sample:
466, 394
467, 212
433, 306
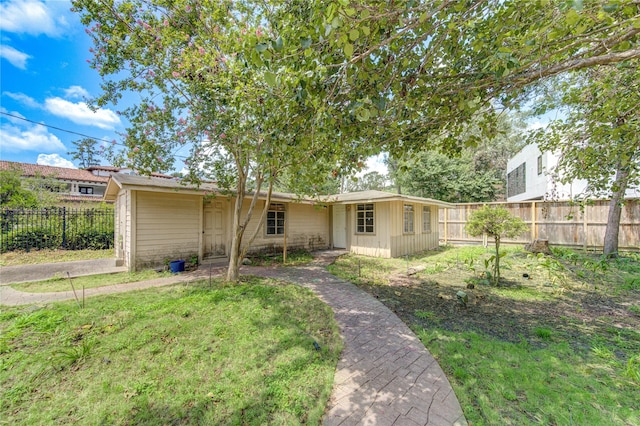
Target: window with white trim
365, 219
275, 219
426, 219
408, 219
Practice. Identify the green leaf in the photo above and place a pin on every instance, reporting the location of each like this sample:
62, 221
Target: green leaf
261, 47
270, 78
278, 44
354, 34
305, 42
348, 50
572, 17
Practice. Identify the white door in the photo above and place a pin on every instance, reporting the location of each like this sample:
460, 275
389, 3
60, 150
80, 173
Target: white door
214, 235
339, 226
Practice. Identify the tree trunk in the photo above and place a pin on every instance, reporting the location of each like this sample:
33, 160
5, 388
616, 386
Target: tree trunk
496, 264
233, 271
615, 212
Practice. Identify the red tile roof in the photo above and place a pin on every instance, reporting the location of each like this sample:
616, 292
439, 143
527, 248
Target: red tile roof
61, 173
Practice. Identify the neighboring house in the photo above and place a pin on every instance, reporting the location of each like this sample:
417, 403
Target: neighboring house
530, 177
159, 220
77, 184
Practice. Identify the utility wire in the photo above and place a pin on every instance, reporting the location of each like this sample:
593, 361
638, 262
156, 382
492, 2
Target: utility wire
58, 128
111, 142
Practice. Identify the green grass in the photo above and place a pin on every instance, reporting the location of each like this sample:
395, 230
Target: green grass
240, 354
91, 281
556, 343
503, 383
51, 256
294, 258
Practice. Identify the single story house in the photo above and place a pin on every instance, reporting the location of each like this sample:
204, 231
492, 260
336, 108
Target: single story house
161, 219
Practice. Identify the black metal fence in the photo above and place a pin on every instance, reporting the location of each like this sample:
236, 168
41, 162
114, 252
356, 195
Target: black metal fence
55, 228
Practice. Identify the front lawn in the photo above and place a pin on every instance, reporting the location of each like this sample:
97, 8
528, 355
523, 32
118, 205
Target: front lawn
194, 354
557, 343
33, 257
90, 281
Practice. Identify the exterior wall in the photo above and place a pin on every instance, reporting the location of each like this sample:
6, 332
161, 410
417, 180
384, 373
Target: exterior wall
389, 240
168, 226
306, 226
376, 244
122, 228
419, 240
543, 186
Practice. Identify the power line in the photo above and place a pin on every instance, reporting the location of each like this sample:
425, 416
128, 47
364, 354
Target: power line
58, 128
111, 142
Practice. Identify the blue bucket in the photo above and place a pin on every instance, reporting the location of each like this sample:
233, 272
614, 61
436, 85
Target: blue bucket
176, 266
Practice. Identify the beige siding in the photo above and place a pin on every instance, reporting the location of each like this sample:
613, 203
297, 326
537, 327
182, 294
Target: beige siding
168, 226
413, 242
307, 227
122, 228
377, 244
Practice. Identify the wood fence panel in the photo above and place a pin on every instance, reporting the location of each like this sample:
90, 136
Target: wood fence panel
560, 222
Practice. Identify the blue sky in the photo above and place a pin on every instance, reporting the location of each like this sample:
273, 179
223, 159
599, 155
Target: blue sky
45, 78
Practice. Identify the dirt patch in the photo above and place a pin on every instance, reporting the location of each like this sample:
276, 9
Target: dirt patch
496, 311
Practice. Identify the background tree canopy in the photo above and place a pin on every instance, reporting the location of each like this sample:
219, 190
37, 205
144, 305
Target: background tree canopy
255, 90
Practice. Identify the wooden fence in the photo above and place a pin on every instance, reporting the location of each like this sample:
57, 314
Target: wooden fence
561, 222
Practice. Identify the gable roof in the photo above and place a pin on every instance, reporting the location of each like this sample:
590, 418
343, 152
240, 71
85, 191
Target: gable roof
61, 173
378, 196
155, 184
121, 181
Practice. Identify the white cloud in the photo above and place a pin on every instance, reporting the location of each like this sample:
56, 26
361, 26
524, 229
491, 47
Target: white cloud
80, 113
32, 17
76, 92
54, 160
23, 99
35, 138
15, 57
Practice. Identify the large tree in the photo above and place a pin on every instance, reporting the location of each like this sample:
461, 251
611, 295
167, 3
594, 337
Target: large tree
308, 88
85, 153
599, 137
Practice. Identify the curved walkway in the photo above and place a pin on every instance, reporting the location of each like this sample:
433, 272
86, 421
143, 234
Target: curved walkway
385, 376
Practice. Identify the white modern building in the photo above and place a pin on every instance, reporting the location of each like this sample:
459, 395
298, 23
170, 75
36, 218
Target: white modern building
530, 177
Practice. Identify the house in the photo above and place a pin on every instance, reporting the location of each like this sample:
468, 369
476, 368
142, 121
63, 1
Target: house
160, 219
530, 177
77, 185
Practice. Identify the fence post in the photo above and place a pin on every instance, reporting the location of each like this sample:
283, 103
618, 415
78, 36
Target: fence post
534, 233
585, 227
64, 227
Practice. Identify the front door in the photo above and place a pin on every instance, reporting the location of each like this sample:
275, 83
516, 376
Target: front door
339, 226
214, 235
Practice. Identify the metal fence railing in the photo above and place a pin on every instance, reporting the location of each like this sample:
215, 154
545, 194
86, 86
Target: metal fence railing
54, 228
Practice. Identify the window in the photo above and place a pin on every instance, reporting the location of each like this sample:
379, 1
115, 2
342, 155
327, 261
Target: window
408, 219
426, 219
275, 219
517, 180
364, 219
539, 164
85, 190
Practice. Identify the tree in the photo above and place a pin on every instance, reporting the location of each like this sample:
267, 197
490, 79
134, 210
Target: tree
369, 181
498, 223
12, 194
229, 82
599, 140
477, 173
85, 153
18, 192
259, 89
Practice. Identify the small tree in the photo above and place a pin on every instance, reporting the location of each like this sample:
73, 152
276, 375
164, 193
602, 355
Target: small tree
496, 222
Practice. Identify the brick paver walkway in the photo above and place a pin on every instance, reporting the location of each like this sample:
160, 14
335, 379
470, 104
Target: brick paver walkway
385, 376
